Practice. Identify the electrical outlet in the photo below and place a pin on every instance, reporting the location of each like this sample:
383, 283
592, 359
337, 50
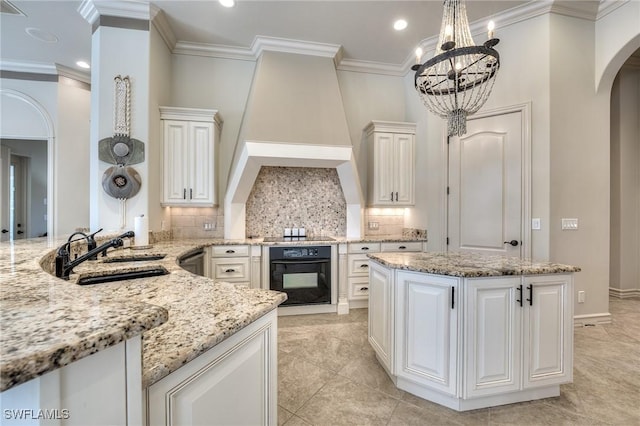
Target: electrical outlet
374, 225
535, 223
209, 226
581, 296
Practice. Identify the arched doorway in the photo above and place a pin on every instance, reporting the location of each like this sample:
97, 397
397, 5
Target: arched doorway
24, 120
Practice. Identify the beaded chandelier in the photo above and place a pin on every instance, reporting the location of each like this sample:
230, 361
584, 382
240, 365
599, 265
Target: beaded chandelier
457, 81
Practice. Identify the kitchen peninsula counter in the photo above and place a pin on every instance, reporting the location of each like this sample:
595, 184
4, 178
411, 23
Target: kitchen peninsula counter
48, 323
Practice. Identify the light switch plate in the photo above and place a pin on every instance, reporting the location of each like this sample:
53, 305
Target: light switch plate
535, 223
569, 224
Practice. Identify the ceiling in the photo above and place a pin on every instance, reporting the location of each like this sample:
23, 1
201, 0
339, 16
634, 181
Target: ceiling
362, 28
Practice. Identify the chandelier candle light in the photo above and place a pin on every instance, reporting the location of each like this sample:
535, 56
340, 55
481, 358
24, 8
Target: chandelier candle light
457, 81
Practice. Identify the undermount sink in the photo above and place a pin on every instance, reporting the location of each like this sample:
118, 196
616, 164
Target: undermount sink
134, 258
105, 277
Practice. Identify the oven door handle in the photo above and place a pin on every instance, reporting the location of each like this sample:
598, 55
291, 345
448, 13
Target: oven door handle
296, 262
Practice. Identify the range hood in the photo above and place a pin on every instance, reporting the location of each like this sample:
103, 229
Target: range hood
294, 118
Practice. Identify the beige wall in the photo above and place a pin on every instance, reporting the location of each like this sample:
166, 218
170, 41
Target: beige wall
625, 182
66, 104
579, 161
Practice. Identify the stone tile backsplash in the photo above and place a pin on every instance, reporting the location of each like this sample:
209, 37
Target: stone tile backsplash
188, 222
287, 197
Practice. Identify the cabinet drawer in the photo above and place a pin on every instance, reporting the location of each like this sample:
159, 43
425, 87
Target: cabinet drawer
364, 247
229, 251
358, 265
358, 288
402, 246
230, 269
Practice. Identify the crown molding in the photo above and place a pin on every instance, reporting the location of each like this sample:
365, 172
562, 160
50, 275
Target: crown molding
67, 72
161, 23
91, 10
372, 67
28, 67
213, 51
607, 6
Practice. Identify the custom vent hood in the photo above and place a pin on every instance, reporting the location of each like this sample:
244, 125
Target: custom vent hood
294, 118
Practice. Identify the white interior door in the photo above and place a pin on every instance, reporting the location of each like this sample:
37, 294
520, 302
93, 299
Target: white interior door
5, 190
485, 208
18, 197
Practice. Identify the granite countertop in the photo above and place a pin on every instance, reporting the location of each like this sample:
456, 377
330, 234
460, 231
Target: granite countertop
47, 322
468, 265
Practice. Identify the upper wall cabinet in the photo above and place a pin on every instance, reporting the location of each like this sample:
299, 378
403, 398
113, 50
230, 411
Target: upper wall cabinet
391, 163
189, 138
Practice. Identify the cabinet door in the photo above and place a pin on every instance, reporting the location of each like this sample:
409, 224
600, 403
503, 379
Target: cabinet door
381, 313
427, 330
403, 180
176, 168
202, 170
383, 166
234, 383
492, 336
548, 328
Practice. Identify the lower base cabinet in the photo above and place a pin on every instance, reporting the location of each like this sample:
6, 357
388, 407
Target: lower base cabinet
101, 389
469, 343
235, 382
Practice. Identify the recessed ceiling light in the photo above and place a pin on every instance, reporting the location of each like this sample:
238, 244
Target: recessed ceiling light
83, 64
400, 25
42, 35
227, 3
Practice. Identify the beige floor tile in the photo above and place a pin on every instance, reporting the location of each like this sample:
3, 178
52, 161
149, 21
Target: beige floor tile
328, 375
342, 402
298, 380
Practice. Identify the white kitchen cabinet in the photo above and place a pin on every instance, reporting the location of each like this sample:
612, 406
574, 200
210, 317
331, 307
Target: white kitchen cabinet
190, 138
381, 314
548, 331
428, 311
358, 266
101, 389
519, 334
235, 382
231, 263
391, 163
469, 343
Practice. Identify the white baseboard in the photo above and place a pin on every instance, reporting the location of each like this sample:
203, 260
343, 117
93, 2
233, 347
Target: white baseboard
591, 319
624, 294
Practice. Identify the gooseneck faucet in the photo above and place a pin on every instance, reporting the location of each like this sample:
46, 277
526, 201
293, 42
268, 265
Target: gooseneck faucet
64, 266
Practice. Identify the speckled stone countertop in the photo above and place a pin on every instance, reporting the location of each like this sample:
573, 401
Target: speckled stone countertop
468, 265
47, 322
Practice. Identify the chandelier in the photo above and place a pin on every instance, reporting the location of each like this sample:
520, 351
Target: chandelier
457, 81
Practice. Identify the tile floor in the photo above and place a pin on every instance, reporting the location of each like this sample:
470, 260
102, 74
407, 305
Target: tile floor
328, 375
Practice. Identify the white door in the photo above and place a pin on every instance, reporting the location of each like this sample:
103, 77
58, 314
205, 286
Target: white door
404, 159
5, 190
485, 198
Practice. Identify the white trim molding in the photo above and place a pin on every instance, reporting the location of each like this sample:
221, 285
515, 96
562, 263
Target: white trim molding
591, 319
624, 294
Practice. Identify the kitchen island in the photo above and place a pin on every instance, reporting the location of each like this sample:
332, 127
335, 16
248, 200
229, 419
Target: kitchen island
124, 339
469, 331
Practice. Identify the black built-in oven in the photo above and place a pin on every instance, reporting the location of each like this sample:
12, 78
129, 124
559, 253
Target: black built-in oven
303, 272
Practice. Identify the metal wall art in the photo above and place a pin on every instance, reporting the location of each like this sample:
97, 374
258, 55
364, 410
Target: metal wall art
121, 181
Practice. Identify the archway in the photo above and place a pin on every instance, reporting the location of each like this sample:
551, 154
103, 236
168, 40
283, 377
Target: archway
24, 118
